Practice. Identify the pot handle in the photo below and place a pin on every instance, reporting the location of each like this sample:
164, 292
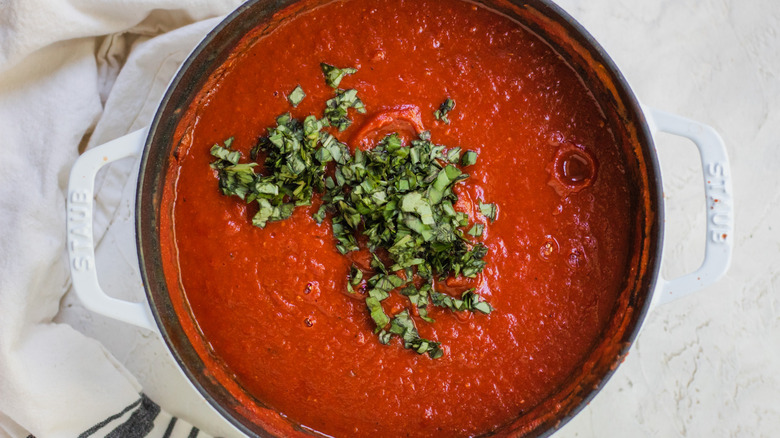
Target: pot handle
80, 241
718, 202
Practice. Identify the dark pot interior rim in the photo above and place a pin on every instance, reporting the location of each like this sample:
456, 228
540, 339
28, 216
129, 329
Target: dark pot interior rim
147, 239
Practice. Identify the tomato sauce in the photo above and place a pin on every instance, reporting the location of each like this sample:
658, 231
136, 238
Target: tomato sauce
271, 304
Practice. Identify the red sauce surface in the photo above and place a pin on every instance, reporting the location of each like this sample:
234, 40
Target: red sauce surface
272, 302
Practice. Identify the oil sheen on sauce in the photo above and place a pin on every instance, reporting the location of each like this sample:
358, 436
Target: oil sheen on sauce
272, 302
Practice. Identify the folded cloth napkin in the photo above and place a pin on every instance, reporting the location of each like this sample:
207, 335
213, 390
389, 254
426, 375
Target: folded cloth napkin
74, 74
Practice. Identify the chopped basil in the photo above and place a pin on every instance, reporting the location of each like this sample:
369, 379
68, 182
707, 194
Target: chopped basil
488, 210
384, 336
453, 155
334, 75
468, 158
378, 294
400, 198
377, 313
224, 153
234, 179
444, 108
355, 277
319, 216
336, 108
294, 166
419, 299
476, 230
483, 306
385, 282
403, 326
469, 300
296, 96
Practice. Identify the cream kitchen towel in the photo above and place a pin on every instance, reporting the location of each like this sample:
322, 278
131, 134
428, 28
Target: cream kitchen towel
69, 68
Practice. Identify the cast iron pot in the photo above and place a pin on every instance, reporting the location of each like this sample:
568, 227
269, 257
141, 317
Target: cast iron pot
631, 122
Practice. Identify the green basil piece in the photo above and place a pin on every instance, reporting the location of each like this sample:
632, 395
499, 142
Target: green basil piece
444, 109
296, 96
476, 230
377, 313
469, 158
488, 210
334, 75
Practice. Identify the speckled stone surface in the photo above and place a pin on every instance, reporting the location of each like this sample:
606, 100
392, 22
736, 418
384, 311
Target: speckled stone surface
706, 365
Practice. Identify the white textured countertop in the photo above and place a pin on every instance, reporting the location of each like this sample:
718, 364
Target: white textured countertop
705, 365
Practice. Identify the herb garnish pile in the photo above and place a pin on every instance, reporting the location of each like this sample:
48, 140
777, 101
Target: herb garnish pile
400, 198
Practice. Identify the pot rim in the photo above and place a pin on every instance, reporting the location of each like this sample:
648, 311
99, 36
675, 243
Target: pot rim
146, 224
